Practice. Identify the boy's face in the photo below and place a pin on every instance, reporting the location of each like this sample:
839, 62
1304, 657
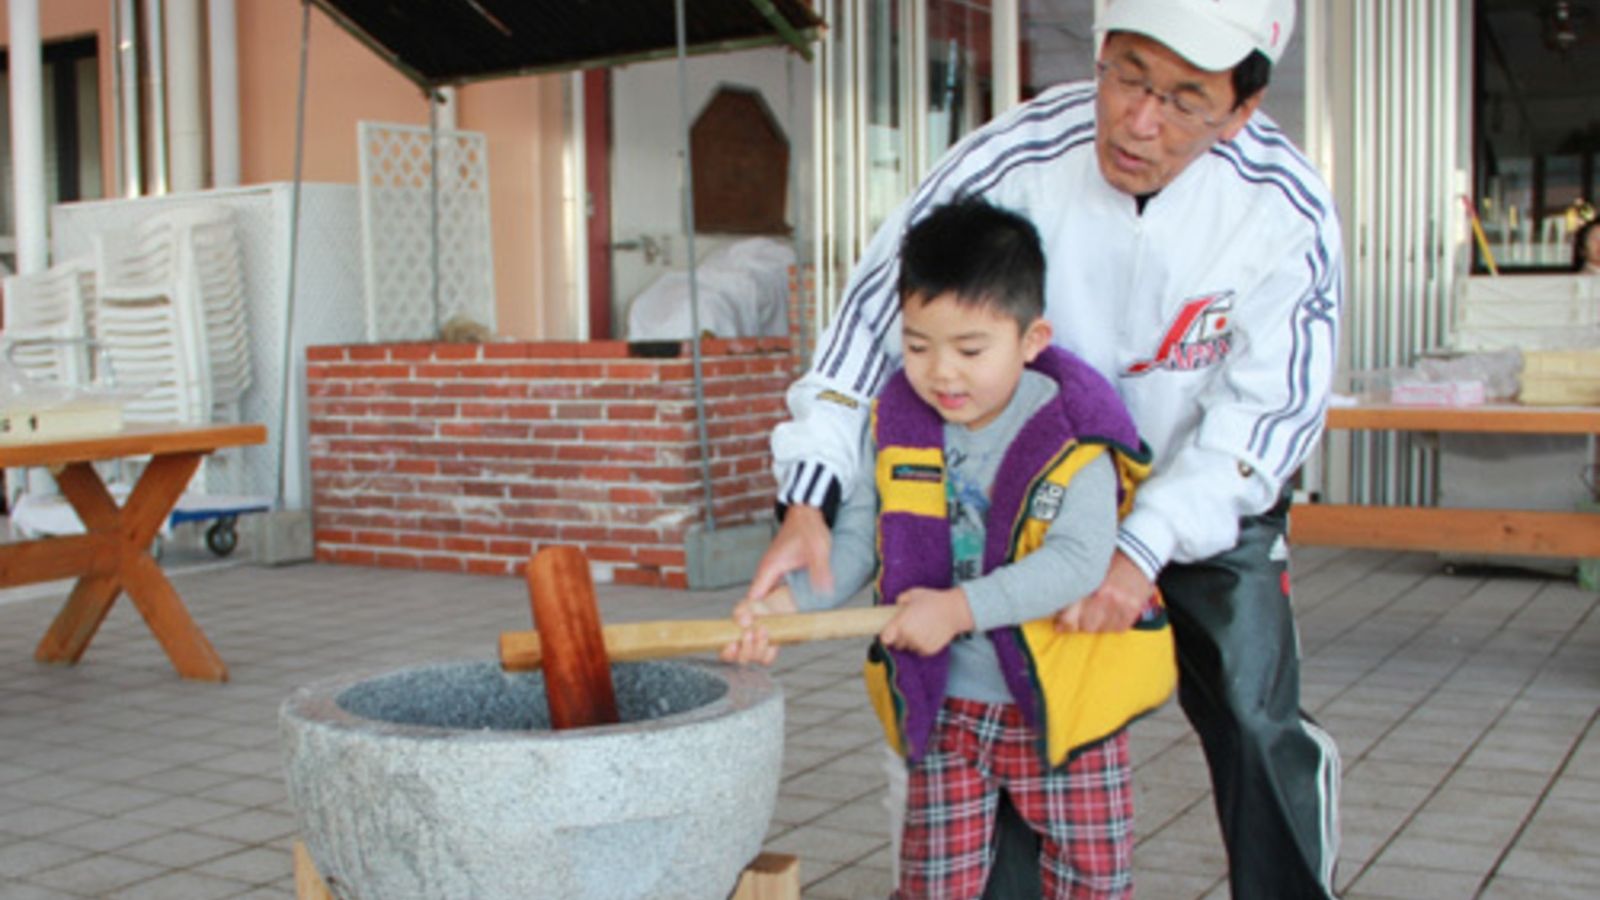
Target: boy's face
965, 360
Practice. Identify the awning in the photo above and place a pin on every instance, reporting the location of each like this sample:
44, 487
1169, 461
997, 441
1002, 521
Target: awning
439, 43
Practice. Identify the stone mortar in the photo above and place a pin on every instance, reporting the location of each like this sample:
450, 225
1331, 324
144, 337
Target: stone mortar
445, 780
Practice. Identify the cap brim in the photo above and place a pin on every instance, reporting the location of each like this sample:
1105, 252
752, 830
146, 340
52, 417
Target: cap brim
1206, 43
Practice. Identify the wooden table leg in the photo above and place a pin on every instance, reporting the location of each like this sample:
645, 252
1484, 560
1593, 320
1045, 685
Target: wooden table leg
78, 620
186, 645
80, 617
132, 527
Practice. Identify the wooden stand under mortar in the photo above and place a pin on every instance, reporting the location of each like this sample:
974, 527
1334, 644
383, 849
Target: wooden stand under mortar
771, 876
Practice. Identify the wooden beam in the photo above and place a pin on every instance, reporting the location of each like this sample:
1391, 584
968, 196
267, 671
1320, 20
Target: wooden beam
785, 29
1571, 535
47, 559
1492, 419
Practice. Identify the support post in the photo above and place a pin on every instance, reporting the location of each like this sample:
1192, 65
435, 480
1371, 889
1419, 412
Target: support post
27, 136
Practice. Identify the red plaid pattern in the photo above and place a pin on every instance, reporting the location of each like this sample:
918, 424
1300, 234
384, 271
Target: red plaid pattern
1082, 811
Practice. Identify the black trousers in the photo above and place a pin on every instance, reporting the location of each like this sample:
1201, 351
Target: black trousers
1274, 772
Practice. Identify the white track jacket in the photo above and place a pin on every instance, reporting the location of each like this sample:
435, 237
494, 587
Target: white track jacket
1214, 312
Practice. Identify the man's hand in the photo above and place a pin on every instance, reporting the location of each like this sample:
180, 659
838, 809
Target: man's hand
802, 542
1113, 606
927, 620
753, 646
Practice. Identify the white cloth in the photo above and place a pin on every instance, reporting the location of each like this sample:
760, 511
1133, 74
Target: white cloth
744, 292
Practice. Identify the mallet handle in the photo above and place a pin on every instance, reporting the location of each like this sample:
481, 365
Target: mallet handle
519, 650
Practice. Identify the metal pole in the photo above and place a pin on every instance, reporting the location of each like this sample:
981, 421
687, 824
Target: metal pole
186, 121
127, 68
433, 203
1005, 54
694, 288
223, 43
287, 376
155, 36
27, 137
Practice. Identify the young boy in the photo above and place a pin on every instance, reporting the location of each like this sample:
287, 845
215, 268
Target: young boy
1000, 467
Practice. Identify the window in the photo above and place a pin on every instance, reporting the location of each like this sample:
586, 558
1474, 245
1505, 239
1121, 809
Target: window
1537, 130
71, 80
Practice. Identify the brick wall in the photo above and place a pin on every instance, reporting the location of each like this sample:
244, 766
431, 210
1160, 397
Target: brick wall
469, 457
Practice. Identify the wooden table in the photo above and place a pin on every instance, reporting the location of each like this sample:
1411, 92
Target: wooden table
1573, 535
114, 554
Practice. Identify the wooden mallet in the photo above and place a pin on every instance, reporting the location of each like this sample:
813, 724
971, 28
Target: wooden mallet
577, 674
526, 650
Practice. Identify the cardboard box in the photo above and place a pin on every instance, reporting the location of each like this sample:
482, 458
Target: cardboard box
1560, 378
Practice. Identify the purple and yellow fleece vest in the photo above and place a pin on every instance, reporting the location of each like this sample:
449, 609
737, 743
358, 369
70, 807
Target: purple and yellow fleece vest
1074, 689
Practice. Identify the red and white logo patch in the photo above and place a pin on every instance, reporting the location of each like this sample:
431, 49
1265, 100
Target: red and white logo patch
1200, 335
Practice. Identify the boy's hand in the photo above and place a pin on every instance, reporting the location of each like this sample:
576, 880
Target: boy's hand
753, 646
801, 542
928, 620
1115, 605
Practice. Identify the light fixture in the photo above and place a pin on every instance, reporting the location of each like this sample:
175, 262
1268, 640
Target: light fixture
1561, 23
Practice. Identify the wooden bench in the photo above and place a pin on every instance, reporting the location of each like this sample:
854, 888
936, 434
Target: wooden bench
1572, 535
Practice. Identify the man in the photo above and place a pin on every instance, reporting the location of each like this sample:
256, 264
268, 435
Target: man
1194, 259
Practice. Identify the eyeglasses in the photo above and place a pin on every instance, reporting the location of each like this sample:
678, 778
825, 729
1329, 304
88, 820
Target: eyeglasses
1183, 108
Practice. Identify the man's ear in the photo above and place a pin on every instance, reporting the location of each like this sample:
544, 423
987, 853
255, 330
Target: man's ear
1236, 120
1035, 338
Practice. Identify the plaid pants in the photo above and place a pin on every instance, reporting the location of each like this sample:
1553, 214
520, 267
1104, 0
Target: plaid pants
1083, 811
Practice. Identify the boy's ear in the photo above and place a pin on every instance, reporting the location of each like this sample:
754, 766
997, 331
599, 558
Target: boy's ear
1035, 338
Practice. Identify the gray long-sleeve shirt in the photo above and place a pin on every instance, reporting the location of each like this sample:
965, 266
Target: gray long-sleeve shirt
1069, 564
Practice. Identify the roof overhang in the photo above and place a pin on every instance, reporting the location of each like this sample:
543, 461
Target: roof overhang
441, 43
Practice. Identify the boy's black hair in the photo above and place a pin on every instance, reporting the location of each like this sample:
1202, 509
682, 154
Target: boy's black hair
979, 253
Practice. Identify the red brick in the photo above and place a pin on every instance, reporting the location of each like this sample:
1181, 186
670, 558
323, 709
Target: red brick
569, 412
633, 412
529, 410
490, 567
508, 350
318, 388
411, 351
511, 548
633, 495
460, 429
459, 544
659, 557
603, 350
634, 371
436, 563
475, 410
415, 541
608, 553
560, 432
377, 539
455, 351
639, 577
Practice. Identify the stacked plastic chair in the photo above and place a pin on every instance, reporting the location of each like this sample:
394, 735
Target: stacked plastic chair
171, 319
48, 320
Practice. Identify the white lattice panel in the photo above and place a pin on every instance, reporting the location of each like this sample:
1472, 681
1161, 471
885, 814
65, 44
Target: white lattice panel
397, 227
328, 307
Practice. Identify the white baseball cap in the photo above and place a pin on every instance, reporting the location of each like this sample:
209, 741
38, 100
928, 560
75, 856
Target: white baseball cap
1214, 35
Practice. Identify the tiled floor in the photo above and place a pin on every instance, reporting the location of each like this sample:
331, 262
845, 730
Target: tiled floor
1465, 707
